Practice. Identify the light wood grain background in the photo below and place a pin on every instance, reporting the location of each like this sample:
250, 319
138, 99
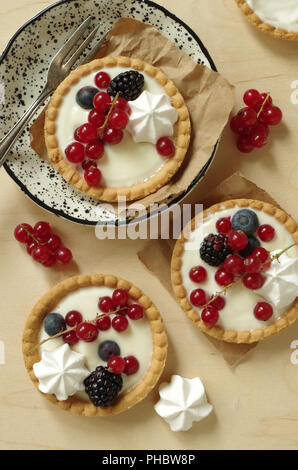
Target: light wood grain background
255, 404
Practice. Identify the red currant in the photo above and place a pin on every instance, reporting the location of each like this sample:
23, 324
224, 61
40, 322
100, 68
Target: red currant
244, 144
31, 246
118, 119
103, 322
70, 338
86, 133
237, 128
86, 331
122, 104
210, 315
224, 225
198, 297
218, 302
260, 103
42, 231
41, 254
21, 233
233, 264
165, 147
135, 311
92, 176
259, 135
272, 115
73, 318
252, 264
266, 232
247, 117
116, 364
94, 150
253, 280
131, 365
102, 101
263, 311
237, 240
251, 98
102, 80
96, 117
261, 254
223, 278
198, 274
86, 164
53, 243
75, 152
112, 136
106, 304
64, 255
120, 323
120, 297
51, 261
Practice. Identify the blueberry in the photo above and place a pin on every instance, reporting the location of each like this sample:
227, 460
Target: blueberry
54, 323
253, 243
108, 349
85, 95
245, 220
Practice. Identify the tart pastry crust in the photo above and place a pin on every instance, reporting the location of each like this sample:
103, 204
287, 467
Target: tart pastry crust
232, 336
48, 302
253, 18
139, 190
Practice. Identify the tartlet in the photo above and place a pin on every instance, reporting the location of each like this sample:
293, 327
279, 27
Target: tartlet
77, 404
152, 182
265, 26
182, 284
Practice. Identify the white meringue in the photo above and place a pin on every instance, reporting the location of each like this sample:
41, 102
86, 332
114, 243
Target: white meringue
182, 402
280, 14
281, 286
61, 372
152, 117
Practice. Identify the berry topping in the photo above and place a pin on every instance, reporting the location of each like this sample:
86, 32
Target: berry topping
92, 176
224, 225
198, 274
54, 323
106, 304
102, 80
21, 233
118, 119
103, 322
210, 315
219, 302
86, 133
233, 264
85, 95
266, 233
253, 280
64, 255
261, 254
253, 243
102, 101
237, 240
252, 264
245, 220
122, 104
94, 150
263, 311
103, 386
70, 338
112, 136
86, 331
198, 297
108, 349
96, 117
86, 164
223, 278
165, 147
120, 297
128, 84
135, 311
73, 318
131, 365
42, 231
214, 249
120, 323
116, 364
75, 152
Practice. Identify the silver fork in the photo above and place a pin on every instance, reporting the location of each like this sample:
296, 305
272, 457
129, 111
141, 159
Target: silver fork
59, 68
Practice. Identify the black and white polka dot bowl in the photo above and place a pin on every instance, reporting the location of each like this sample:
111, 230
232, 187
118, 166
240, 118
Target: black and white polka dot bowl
23, 67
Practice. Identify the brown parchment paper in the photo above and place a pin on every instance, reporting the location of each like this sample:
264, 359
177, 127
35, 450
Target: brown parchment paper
156, 255
208, 96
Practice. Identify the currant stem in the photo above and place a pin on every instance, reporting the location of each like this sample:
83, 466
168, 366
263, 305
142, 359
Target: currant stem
263, 104
101, 129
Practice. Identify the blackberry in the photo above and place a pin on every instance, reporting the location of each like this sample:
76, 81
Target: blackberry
214, 249
128, 84
103, 386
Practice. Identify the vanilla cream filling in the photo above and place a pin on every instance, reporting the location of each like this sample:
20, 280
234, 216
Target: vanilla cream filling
124, 164
278, 13
238, 313
136, 340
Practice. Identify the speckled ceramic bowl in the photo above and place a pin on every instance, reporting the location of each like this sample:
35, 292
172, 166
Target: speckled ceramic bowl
23, 66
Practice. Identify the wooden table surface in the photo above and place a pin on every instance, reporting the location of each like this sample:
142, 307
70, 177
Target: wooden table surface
256, 403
